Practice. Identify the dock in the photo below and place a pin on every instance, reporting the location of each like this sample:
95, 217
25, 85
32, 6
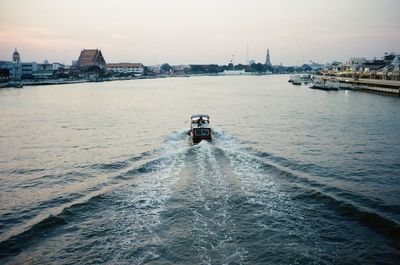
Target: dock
368, 85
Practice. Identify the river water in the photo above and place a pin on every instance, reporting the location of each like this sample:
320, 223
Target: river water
103, 173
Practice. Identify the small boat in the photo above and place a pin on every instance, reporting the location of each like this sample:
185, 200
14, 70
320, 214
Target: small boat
324, 84
200, 128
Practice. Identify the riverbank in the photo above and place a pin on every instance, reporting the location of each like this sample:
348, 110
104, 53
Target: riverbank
19, 84
389, 87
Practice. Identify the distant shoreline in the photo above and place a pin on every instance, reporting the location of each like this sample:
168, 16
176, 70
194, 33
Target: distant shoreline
50, 82
366, 85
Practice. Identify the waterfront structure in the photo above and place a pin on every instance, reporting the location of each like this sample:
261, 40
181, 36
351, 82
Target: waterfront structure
180, 69
388, 58
56, 66
91, 57
43, 74
28, 69
387, 68
382, 75
334, 66
372, 66
4, 75
355, 64
136, 69
268, 59
45, 66
15, 69
154, 69
390, 71
18, 70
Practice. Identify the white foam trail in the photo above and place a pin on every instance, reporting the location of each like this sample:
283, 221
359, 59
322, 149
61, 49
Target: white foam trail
257, 186
212, 223
137, 216
273, 208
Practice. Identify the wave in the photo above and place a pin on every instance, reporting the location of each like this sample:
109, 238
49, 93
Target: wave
44, 228
257, 169
119, 165
140, 186
373, 220
16, 244
149, 176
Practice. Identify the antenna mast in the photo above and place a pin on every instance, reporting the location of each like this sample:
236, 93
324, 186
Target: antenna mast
247, 54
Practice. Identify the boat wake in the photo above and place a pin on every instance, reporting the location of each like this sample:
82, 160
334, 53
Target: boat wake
211, 203
213, 228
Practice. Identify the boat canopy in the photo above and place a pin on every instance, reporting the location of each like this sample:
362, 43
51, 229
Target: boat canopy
197, 116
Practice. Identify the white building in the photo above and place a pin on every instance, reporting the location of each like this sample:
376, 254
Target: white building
355, 63
56, 66
136, 69
234, 72
15, 66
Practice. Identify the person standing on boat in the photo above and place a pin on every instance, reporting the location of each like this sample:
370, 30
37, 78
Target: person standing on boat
200, 121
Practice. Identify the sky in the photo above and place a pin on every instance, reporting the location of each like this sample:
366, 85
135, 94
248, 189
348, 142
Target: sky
200, 31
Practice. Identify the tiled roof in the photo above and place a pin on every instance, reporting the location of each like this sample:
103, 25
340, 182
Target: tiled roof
91, 57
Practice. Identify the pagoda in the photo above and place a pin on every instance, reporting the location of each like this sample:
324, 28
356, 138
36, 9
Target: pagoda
268, 60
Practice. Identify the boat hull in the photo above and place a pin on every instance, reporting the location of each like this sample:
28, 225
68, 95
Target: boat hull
326, 88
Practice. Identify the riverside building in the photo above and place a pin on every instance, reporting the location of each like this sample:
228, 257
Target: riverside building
14, 67
135, 69
91, 57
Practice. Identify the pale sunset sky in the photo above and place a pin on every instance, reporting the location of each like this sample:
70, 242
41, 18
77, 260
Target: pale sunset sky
199, 31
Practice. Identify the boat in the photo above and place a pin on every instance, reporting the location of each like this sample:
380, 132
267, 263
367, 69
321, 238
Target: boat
200, 128
300, 79
325, 84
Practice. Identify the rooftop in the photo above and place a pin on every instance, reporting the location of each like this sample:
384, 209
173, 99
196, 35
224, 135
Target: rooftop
123, 65
91, 57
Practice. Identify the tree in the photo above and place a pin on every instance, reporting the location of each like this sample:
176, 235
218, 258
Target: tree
256, 67
240, 67
213, 68
165, 67
267, 68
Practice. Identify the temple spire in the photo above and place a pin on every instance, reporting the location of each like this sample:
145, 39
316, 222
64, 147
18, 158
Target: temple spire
268, 60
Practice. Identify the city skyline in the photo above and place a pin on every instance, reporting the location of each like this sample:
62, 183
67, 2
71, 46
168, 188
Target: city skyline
184, 32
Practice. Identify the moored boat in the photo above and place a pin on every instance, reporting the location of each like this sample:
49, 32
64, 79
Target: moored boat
300, 79
325, 84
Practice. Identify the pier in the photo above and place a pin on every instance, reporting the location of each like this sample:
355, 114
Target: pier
371, 85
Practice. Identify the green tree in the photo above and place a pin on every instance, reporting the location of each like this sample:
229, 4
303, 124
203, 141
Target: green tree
258, 68
165, 67
213, 68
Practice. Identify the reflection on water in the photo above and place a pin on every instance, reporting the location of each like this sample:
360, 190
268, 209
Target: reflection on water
104, 173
